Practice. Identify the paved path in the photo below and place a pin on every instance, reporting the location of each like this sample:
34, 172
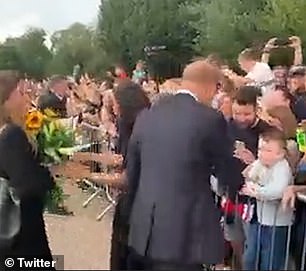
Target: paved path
83, 241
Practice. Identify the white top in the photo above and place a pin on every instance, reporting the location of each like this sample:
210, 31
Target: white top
261, 73
273, 182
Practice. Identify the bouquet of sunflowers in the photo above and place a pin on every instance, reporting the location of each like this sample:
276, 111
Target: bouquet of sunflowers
53, 143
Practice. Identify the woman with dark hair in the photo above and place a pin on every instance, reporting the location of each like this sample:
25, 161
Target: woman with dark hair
129, 100
24, 182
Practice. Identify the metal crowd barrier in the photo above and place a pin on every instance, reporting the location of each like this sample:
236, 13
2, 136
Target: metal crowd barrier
99, 145
293, 246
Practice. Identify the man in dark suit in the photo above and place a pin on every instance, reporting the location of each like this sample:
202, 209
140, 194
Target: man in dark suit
55, 97
174, 149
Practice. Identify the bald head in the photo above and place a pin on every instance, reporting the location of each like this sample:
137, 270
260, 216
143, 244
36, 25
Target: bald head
201, 78
201, 71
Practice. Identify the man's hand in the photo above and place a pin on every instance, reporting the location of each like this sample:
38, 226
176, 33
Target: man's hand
245, 155
270, 44
295, 42
289, 196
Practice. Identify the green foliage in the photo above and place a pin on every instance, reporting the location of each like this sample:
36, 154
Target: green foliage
55, 198
187, 27
28, 53
51, 139
72, 46
126, 27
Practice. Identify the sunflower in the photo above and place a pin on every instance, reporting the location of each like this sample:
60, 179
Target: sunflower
34, 120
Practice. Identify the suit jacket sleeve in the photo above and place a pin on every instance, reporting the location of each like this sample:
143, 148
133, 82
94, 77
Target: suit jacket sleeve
221, 152
21, 167
133, 161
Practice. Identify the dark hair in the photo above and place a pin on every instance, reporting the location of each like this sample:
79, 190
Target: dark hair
131, 99
247, 95
9, 80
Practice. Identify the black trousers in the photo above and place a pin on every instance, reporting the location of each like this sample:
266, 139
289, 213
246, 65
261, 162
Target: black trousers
119, 240
137, 262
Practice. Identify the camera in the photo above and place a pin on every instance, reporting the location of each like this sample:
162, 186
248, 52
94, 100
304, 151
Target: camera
282, 42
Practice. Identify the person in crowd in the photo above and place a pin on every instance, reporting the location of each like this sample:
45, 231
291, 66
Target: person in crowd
106, 85
225, 105
258, 73
169, 164
282, 97
280, 75
139, 74
120, 72
55, 97
266, 180
129, 100
19, 166
294, 42
245, 128
107, 113
296, 81
223, 100
282, 118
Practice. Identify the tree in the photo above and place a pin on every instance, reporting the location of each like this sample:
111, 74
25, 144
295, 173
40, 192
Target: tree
9, 58
72, 46
226, 27
33, 54
126, 27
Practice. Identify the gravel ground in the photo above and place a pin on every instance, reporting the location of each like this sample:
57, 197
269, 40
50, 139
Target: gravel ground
84, 242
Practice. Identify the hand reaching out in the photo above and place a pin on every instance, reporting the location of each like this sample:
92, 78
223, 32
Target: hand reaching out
249, 189
114, 179
270, 44
245, 155
289, 197
295, 42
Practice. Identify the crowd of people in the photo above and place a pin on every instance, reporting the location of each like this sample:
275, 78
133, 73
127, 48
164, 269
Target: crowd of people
209, 168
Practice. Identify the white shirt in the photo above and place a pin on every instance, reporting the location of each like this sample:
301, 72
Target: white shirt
188, 92
273, 182
261, 73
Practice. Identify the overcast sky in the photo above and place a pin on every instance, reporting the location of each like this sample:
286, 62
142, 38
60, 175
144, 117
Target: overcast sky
17, 15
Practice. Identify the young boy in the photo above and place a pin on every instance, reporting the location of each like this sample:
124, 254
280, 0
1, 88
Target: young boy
266, 180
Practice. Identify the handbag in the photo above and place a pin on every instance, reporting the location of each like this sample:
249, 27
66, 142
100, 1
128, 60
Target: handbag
10, 215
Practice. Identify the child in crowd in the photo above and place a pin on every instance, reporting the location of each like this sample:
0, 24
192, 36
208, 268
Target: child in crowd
266, 180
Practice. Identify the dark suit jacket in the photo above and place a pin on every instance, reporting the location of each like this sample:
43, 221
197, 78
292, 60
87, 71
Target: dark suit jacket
51, 101
174, 148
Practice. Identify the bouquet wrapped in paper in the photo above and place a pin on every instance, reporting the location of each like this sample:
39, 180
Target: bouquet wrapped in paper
53, 141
